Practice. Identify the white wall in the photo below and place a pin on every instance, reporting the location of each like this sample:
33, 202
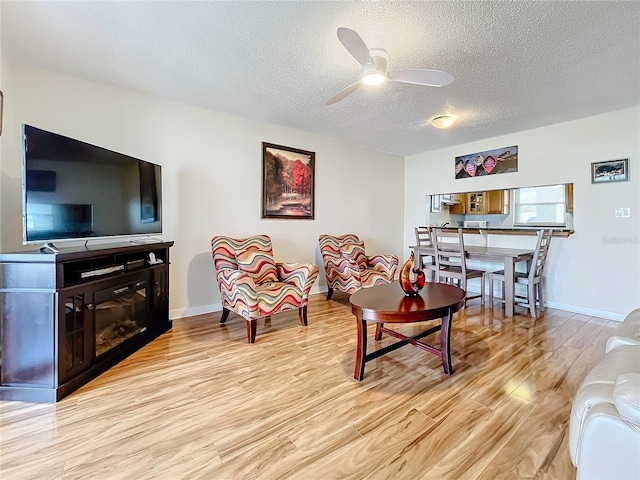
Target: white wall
211, 169
211, 166
597, 269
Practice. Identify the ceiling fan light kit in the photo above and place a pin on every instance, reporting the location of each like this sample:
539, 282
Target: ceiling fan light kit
374, 78
442, 121
374, 68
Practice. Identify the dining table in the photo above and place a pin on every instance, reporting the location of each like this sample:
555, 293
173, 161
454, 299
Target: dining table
507, 257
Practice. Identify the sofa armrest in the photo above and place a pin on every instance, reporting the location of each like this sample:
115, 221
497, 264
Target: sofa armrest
627, 333
626, 398
301, 275
608, 446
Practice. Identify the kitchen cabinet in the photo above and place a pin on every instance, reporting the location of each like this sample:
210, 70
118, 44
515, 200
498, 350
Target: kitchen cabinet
475, 203
497, 202
459, 206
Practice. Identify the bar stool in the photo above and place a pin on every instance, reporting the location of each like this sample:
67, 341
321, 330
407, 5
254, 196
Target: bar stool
531, 279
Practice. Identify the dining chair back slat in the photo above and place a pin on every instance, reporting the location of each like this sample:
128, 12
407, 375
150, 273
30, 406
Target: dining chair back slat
451, 260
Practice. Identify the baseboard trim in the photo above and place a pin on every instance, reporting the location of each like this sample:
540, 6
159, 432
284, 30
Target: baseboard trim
592, 312
193, 311
567, 307
216, 307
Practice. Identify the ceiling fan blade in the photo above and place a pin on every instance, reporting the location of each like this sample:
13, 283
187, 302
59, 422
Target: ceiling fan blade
432, 78
343, 93
355, 45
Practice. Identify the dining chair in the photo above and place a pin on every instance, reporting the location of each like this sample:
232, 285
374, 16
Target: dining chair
426, 262
451, 261
531, 279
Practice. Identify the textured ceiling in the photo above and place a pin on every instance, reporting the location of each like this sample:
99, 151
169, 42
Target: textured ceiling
517, 64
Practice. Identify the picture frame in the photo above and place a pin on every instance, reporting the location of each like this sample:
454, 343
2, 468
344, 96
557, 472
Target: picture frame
1, 109
288, 182
610, 171
488, 162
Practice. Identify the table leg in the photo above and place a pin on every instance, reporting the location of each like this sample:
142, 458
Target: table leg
445, 343
378, 335
509, 286
361, 349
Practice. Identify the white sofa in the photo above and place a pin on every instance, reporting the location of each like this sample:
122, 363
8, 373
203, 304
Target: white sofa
604, 429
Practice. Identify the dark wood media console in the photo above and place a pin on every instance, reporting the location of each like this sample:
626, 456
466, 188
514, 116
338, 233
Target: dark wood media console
69, 316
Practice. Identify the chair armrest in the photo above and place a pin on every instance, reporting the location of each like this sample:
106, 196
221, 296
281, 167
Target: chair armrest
238, 292
387, 264
343, 268
301, 275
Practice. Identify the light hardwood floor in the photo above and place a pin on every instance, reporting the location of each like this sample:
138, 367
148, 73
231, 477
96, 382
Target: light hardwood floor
200, 403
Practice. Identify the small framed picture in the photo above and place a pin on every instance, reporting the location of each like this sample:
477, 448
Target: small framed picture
610, 171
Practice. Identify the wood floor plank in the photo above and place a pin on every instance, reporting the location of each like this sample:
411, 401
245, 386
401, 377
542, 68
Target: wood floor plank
467, 458
201, 403
536, 440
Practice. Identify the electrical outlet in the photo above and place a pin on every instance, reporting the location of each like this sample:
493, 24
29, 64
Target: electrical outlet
622, 212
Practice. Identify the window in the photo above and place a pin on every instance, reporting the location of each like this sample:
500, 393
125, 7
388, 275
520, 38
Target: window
540, 206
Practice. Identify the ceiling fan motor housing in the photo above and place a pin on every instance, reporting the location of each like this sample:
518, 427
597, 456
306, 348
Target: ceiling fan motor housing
379, 65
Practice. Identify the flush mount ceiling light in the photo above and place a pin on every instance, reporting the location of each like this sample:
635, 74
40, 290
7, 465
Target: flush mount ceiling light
442, 121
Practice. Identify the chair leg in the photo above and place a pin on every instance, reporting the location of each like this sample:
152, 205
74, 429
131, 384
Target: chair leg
531, 291
462, 283
252, 327
329, 293
225, 315
540, 297
482, 290
302, 313
490, 292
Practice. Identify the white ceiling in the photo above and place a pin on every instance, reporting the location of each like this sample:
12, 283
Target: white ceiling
518, 65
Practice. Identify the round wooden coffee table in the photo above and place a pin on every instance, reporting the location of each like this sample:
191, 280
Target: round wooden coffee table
388, 304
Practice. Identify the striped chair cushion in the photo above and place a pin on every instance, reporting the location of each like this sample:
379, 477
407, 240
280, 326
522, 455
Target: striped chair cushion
355, 253
258, 264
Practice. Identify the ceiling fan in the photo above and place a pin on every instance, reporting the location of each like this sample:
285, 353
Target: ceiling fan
374, 67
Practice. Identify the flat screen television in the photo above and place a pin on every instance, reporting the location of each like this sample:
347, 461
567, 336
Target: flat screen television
72, 190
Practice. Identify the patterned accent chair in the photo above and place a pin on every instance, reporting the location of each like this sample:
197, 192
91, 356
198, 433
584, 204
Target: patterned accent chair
254, 286
347, 267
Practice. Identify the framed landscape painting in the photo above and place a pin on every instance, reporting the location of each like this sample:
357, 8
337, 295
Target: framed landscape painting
287, 182
611, 171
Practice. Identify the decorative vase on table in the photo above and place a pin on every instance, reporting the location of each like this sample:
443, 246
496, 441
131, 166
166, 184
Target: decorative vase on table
411, 288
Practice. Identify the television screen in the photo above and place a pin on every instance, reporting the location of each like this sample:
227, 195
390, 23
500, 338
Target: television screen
75, 190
